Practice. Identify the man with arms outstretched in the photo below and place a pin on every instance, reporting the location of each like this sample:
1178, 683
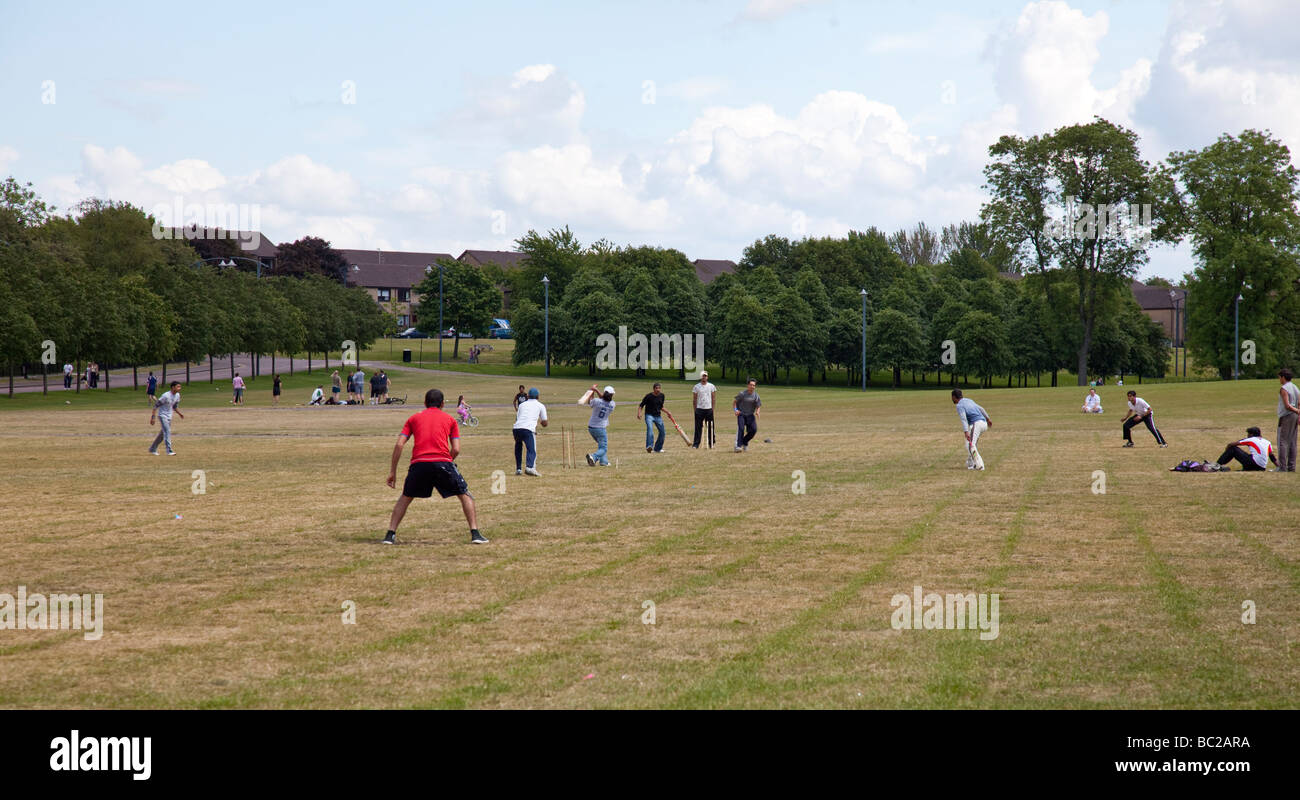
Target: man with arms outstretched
437, 444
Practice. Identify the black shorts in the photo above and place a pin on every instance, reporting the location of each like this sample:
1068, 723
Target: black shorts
374, 392
425, 476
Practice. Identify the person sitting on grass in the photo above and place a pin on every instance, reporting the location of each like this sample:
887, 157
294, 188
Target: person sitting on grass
317, 396
1253, 453
1092, 403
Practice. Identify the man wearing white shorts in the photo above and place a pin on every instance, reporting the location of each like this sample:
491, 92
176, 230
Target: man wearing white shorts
1092, 403
974, 423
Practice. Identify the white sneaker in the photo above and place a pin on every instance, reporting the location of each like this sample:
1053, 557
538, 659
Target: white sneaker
519, 472
533, 472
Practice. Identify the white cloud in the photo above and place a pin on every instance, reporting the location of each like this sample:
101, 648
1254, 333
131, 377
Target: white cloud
537, 104
766, 10
8, 156
299, 181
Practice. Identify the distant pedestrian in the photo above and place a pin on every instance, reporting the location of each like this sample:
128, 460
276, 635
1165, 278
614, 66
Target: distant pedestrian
1140, 411
1288, 412
527, 416
702, 395
336, 385
238, 386
975, 423
653, 405
162, 411
602, 406
67, 376
152, 388
747, 406
275, 391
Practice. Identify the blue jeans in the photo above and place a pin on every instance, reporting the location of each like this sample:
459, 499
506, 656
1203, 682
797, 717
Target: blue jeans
602, 444
652, 423
525, 438
164, 435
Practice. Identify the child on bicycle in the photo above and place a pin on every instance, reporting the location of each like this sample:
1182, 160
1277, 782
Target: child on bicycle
462, 409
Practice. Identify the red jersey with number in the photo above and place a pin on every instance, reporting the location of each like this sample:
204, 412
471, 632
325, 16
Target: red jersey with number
432, 429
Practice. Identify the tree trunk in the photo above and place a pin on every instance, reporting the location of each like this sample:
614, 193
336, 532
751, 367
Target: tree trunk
211, 370
898, 376
308, 362
272, 363
187, 373
76, 379
11, 379
106, 374
135, 378
455, 347
164, 371
45, 378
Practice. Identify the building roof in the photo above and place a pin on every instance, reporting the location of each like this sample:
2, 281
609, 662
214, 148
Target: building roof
251, 243
502, 258
388, 269
1155, 298
707, 269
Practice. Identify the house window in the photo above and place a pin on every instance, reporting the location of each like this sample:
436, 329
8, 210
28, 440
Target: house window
403, 321
384, 295
403, 295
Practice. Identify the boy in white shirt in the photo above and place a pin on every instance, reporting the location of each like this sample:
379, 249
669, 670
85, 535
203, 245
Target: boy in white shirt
1140, 411
702, 395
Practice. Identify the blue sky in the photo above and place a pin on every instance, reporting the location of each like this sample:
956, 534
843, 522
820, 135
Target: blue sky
698, 125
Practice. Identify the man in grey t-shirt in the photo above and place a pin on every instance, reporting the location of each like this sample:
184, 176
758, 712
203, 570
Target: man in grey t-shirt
1288, 413
602, 406
746, 406
162, 411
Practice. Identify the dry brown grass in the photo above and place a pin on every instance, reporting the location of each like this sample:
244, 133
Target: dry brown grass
763, 597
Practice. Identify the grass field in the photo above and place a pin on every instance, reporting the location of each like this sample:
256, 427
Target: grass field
763, 597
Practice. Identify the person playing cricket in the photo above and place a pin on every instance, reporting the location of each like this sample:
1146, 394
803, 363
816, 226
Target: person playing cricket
162, 411
1139, 411
702, 395
433, 464
602, 405
528, 416
975, 423
746, 406
1253, 453
653, 405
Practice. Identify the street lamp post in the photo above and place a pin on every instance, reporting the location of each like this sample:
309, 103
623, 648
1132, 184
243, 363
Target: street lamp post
439, 312
1236, 337
546, 326
864, 339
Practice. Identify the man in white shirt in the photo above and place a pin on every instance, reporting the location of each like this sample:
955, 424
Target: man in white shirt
1092, 403
527, 416
162, 411
703, 394
67, 376
1253, 453
1140, 411
318, 396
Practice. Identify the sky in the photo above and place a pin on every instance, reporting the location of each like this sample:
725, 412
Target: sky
696, 124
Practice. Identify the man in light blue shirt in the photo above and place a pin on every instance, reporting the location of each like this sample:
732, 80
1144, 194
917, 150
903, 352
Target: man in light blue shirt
974, 422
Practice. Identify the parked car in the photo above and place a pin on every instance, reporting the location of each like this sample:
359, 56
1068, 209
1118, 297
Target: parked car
501, 329
412, 333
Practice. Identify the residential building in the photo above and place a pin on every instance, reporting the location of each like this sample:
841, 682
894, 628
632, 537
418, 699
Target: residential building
390, 276
708, 269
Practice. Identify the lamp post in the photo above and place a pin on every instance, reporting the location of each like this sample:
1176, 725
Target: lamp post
439, 312
1173, 300
546, 326
864, 339
1236, 337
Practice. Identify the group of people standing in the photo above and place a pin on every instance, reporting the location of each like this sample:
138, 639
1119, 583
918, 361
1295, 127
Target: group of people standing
90, 375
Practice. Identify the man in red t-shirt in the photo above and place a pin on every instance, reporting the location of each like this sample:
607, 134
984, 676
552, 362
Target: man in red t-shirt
437, 443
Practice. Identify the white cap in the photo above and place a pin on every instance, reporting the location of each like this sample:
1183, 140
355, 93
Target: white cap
609, 390
704, 373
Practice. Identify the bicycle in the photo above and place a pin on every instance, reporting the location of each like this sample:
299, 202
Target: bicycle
467, 417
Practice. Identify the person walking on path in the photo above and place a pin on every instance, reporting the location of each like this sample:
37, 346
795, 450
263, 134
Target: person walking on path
162, 411
975, 423
1140, 411
653, 405
746, 406
702, 396
530, 413
602, 406
433, 465
1288, 413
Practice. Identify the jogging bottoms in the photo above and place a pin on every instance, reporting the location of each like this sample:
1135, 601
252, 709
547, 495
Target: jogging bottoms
1149, 419
746, 429
525, 438
701, 415
1286, 441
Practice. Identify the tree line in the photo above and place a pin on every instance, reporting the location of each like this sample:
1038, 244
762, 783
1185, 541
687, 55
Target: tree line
100, 287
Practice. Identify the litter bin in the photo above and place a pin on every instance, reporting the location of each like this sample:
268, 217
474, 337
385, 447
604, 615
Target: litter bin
406, 356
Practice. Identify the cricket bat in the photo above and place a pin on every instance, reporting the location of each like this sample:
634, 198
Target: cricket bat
685, 438
582, 401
